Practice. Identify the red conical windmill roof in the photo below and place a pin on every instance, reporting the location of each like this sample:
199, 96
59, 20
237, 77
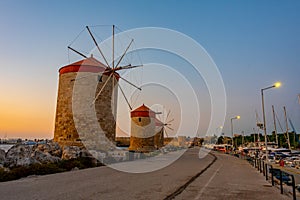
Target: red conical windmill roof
143, 111
86, 65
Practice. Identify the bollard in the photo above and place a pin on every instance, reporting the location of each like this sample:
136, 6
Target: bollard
281, 186
266, 171
263, 164
272, 176
260, 169
294, 187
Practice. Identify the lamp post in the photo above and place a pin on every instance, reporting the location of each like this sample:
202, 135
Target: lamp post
236, 117
219, 128
277, 84
217, 131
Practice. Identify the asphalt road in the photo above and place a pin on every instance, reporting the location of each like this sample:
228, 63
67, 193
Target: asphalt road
225, 178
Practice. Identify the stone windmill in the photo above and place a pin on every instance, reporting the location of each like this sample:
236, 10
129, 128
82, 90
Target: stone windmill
78, 104
142, 129
147, 131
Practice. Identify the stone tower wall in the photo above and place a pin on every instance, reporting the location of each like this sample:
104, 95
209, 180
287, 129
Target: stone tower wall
159, 137
142, 134
65, 131
91, 124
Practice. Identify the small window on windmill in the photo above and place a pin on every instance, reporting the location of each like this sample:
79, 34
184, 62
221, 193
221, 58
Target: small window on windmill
140, 119
99, 78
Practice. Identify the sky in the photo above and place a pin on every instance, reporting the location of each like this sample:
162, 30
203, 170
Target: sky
253, 43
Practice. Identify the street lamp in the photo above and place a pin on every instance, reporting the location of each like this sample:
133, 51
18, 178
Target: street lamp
275, 85
236, 117
219, 128
217, 132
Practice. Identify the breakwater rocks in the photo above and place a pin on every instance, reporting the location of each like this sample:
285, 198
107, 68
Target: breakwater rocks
25, 155
2, 156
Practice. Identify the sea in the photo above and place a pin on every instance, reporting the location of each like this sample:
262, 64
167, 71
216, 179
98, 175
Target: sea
6, 147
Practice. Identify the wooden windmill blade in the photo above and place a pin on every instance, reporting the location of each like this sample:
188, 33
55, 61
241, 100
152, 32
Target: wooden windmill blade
169, 128
168, 114
123, 94
166, 123
158, 114
165, 131
81, 54
113, 46
124, 53
110, 69
170, 121
102, 88
97, 46
130, 83
113, 93
127, 67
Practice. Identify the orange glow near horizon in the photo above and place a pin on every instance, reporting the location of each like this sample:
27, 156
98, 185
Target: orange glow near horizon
21, 119
26, 126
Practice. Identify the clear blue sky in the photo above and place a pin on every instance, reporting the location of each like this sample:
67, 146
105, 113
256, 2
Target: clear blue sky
253, 43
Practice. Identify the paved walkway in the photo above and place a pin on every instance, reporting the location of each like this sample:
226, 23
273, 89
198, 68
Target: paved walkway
226, 178
231, 178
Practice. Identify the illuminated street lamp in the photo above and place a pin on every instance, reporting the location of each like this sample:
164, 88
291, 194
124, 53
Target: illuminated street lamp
276, 85
219, 129
236, 117
217, 132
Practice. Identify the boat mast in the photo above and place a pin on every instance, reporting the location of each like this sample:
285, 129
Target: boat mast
287, 127
294, 130
254, 136
275, 129
243, 135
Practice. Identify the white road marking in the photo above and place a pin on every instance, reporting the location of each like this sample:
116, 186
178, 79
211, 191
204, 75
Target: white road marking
211, 178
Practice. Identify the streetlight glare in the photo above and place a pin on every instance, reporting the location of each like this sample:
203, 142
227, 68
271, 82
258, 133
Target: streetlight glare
277, 84
238, 117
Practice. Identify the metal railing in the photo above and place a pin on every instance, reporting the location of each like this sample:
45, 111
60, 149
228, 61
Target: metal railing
268, 170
